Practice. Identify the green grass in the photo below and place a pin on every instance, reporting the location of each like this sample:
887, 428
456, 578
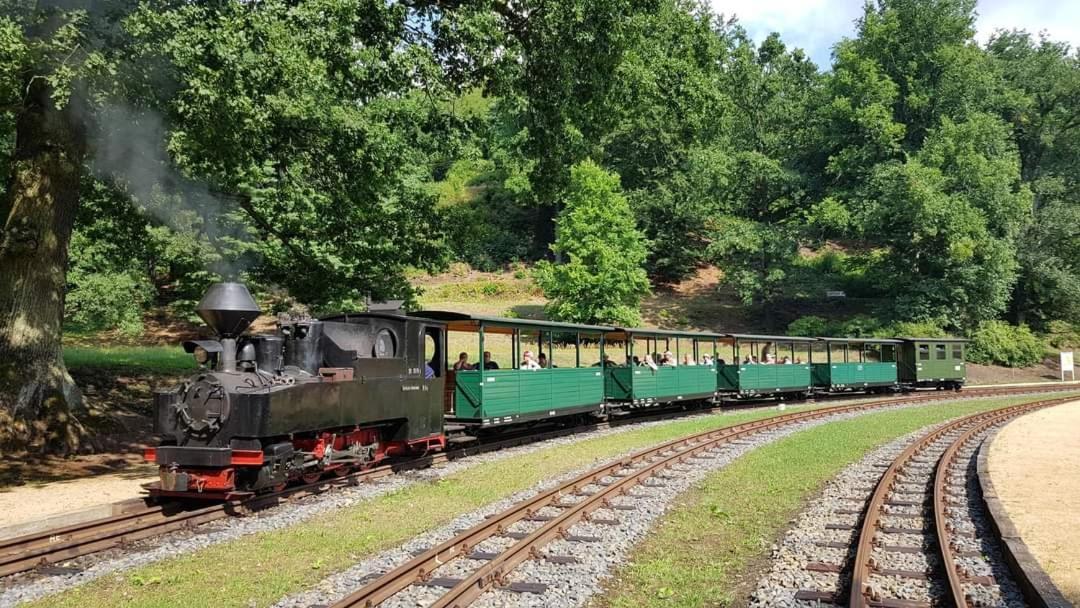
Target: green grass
704, 551
156, 359
260, 569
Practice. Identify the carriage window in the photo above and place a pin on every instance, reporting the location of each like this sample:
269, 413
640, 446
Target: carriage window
888, 353
924, 352
939, 352
957, 352
872, 353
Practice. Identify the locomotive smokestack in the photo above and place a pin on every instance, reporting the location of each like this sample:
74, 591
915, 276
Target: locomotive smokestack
228, 308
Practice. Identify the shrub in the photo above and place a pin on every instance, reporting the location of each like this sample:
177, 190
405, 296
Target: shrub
997, 342
859, 326
810, 325
1063, 335
98, 301
913, 329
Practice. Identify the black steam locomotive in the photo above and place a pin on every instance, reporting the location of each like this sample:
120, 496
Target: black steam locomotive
316, 397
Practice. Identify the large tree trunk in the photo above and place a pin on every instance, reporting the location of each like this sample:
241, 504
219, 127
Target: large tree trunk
39, 402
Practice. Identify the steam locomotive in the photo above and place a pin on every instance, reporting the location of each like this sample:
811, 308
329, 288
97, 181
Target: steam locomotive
328, 396
316, 397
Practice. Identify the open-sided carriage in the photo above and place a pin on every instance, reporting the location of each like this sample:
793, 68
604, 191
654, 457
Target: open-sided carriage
855, 364
765, 365
502, 390
630, 380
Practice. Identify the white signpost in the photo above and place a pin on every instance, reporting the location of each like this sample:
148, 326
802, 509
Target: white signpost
1067, 365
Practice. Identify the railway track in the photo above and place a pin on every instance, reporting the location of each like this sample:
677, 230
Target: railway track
138, 520
924, 477
919, 541
596, 497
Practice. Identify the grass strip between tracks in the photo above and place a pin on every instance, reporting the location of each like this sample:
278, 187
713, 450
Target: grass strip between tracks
711, 548
260, 569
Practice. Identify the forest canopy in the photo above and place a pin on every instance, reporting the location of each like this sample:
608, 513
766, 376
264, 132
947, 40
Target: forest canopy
327, 147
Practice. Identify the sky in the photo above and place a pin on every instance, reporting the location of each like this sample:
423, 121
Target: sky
815, 25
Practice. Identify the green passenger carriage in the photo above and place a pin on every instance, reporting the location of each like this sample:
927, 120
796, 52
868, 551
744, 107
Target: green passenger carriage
512, 393
765, 365
855, 364
632, 382
933, 362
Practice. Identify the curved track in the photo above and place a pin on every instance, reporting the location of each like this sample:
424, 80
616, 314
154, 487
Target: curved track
879, 577
140, 521
556, 511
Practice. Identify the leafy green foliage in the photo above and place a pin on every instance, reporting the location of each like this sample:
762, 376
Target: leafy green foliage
601, 279
999, 343
913, 329
326, 148
757, 257
857, 326
108, 300
1063, 335
810, 325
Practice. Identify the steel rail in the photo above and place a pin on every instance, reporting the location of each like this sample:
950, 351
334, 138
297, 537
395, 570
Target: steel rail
419, 569
941, 521
862, 595
54, 545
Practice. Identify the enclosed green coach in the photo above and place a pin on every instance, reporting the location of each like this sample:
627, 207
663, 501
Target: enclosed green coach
933, 362
520, 370
645, 367
764, 365
849, 364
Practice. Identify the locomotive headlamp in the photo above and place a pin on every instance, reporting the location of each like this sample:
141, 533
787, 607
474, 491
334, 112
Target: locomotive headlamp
201, 355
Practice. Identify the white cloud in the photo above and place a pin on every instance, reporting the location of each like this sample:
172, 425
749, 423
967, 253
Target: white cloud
816, 25
1060, 20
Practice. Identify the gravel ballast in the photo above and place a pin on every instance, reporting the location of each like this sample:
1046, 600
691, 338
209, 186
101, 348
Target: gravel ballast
567, 584
797, 557
30, 586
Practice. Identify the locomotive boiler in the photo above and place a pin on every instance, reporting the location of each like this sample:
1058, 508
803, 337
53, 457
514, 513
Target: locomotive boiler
317, 396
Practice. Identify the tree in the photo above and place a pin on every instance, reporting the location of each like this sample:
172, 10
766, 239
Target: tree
301, 133
45, 65
602, 279
1042, 103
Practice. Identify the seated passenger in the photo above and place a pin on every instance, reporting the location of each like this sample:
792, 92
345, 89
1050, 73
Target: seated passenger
706, 359
668, 359
527, 361
748, 360
462, 363
798, 360
688, 360
650, 363
785, 360
770, 359
544, 363
636, 361
488, 363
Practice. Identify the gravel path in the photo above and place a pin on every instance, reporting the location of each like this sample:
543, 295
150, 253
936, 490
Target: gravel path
567, 584
30, 585
817, 553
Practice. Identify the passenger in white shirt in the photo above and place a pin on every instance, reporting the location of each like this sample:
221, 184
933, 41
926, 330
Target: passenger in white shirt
528, 362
